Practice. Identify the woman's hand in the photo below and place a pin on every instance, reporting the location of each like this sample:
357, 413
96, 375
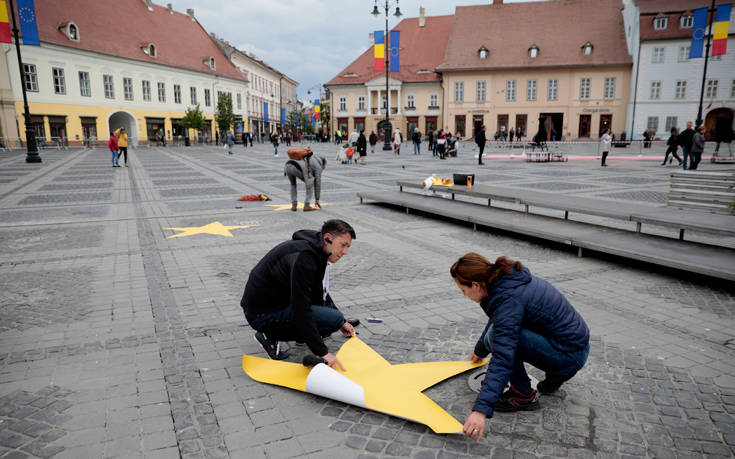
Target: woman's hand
475, 359
475, 425
333, 362
348, 331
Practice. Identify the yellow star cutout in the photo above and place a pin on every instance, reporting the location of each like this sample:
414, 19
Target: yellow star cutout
300, 205
370, 382
215, 228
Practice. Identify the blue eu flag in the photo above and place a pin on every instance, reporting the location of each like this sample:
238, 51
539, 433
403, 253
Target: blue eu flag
28, 27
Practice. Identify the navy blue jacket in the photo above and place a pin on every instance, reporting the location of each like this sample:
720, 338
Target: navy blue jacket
517, 301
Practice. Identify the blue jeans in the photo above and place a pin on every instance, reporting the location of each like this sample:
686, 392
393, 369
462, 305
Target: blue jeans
416, 147
538, 351
280, 325
687, 157
114, 157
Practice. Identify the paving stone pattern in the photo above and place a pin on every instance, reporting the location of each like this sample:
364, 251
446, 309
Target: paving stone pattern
117, 342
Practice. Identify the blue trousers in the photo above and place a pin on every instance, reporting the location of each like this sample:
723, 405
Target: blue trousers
538, 351
280, 325
687, 157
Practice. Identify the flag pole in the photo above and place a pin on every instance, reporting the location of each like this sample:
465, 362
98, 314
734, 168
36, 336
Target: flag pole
699, 120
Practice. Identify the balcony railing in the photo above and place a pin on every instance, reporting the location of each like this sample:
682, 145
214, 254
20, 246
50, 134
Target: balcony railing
433, 107
410, 108
374, 111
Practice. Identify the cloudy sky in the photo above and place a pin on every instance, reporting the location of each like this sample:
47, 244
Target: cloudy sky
308, 40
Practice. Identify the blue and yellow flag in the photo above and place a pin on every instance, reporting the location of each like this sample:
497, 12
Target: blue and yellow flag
395, 47
28, 27
699, 28
265, 111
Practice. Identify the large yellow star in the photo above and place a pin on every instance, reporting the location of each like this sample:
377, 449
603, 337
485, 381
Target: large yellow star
370, 381
300, 205
215, 228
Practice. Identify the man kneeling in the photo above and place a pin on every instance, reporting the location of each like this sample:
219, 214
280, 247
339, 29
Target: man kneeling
286, 296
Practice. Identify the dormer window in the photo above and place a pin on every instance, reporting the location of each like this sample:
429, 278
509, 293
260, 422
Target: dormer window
483, 52
210, 63
587, 48
73, 32
660, 23
70, 30
150, 49
533, 51
686, 21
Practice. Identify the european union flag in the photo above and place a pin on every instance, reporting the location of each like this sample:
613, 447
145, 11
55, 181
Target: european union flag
283, 116
28, 27
395, 47
698, 33
265, 111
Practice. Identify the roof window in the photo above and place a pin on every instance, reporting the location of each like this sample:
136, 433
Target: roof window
150, 49
483, 52
686, 21
660, 23
423, 71
209, 62
350, 75
70, 30
533, 51
587, 48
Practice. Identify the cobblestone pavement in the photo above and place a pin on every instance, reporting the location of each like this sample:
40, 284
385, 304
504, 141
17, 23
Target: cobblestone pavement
116, 341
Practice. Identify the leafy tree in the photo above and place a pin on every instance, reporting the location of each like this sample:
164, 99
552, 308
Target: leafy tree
193, 119
293, 119
326, 114
224, 116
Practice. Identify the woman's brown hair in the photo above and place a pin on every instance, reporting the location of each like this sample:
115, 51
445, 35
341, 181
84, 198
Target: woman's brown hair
473, 267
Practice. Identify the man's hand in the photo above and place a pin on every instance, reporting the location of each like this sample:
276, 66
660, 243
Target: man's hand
348, 331
333, 362
475, 359
475, 425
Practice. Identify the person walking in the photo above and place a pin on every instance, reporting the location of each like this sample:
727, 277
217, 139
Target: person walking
112, 145
605, 141
308, 170
416, 137
274, 141
685, 140
510, 134
352, 138
441, 145
697, 147
480, 141
672, 147
230, 140
723, 133
430, 138
373, 141
122, 144
216, 138
397, 139
362, 146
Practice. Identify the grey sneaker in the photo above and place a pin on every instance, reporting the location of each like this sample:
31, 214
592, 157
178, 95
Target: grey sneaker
272, 348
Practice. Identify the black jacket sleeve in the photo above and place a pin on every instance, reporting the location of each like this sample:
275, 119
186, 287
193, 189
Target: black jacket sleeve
303, 277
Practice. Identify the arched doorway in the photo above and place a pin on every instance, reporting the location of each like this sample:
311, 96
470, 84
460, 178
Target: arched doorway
127, 121
719, 119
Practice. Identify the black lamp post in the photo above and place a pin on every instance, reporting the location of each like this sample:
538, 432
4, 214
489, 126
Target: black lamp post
387, 128
32, 155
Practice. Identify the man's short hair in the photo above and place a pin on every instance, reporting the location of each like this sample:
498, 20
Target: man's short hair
337, 227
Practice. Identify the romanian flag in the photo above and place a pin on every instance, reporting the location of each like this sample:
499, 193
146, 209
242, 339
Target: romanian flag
379, 50
4, 24
317, 109
722, 22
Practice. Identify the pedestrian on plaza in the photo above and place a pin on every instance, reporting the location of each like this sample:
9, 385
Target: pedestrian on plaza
230, 140
397, 139
301, 136
530, 322
685, 140
697, 147
308, 170
352, 138
287, 298
337, 136
122, 144
519, 134
673, 145
510, 134
288, 139
362, 146
274, 141
430, 138
250, 138
373, 140
605, 141
216, 138
480, 141
112, 145
441, 144
416, 137
722, 134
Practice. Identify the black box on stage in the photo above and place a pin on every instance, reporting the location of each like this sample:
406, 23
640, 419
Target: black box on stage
461, 179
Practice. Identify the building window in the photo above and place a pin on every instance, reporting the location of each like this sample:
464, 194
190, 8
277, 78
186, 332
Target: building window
85, 88
177, 94
658, 55
510, 90
732, 90
146, 90
681, 90
683, 53
671, 122
239, 101
161, 92
686, 21
553, 92
711, 89
587, 48
109, 86
31, 78
193, 95
207, 98
533, 51
660, 23
481, 90
59, 81
655, 90
584, 88
128, 88
459, 91
410, 102
531, 90
361, 103
434, 100
483, 52
610, 88
652, 123
342, 103
73, 32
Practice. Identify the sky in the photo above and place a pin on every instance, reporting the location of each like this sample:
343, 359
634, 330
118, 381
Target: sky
308, 40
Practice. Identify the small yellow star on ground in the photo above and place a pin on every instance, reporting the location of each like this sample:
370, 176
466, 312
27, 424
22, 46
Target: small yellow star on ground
288, 206
215, 228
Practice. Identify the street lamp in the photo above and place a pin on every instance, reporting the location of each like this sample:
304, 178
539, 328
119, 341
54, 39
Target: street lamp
387, 127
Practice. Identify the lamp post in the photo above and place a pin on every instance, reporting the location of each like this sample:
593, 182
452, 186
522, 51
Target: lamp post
308, 93
387, 126
32, 155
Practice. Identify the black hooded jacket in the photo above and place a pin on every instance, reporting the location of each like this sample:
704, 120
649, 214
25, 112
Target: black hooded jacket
291, 274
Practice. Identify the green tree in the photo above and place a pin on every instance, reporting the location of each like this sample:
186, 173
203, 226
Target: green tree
326, 115
224, 116
293, 119
193, 119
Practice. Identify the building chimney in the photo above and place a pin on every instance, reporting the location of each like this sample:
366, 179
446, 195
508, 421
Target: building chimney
190, 12
422, 17
148, 4
497, 2
170, 8
371, 37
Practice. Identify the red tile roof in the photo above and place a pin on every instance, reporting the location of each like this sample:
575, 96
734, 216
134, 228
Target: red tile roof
559, 28
674, 9
422, 48
121, 27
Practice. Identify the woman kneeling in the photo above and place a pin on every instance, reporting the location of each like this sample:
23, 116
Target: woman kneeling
530, 321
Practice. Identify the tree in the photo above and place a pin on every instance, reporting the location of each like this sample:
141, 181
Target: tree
193, 119
293, 119
326, 115
224, 116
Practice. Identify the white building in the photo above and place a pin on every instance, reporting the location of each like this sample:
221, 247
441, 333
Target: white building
665, 83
